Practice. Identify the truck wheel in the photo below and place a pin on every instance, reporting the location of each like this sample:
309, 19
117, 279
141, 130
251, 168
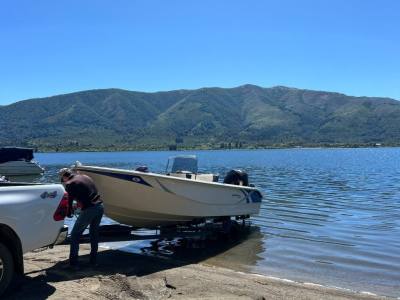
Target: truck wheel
6, 268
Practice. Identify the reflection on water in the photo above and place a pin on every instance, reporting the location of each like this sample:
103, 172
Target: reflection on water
242, 256
217, 249
330, 216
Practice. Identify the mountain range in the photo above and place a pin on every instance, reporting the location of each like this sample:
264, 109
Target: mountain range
245, 116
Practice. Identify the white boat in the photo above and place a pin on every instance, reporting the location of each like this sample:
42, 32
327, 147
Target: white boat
20, 167
18, 161
149, 200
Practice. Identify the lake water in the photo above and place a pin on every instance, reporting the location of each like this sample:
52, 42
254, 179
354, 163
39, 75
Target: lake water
330, 216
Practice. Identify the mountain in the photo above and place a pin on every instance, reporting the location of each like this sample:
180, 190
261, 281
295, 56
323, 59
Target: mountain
209, 117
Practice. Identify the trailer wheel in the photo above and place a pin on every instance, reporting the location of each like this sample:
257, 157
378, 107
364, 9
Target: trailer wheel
6, 268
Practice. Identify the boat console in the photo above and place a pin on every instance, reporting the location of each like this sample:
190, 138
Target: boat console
185, 166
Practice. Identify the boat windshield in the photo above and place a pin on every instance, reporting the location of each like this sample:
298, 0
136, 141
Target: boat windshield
186, 163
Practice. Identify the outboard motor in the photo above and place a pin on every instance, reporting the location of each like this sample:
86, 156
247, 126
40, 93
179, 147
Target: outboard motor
237, 177
143, 169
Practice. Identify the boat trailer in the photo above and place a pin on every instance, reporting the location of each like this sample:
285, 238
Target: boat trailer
181, 236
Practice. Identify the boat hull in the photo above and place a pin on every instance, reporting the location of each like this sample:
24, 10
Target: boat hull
150, 200
20, 167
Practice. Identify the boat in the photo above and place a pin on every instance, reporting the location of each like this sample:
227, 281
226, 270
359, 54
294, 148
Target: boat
149, 200
18, 161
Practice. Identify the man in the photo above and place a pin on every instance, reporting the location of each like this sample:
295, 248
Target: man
82, 189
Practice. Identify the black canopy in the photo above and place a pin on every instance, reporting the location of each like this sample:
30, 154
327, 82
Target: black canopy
15, 153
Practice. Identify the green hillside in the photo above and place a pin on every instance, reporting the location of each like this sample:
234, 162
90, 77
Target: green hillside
247, 116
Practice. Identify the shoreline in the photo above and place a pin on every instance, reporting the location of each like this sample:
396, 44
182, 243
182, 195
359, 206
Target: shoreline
107, 150
122, 275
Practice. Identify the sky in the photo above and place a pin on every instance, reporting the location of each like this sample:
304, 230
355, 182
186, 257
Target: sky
55, 47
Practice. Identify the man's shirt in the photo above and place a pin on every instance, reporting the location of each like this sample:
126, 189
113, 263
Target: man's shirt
82, 189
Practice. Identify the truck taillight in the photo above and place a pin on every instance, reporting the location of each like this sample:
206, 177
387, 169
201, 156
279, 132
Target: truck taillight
62, 209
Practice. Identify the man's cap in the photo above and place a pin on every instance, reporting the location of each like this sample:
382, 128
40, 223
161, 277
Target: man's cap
65, 172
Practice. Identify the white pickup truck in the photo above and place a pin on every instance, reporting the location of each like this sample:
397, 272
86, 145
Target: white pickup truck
31, 217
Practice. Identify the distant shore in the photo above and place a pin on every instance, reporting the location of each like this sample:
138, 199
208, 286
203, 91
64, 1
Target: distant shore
205, 147
123, 275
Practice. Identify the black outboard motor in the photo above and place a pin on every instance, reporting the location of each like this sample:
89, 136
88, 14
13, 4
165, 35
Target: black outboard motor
237, 177
143, 169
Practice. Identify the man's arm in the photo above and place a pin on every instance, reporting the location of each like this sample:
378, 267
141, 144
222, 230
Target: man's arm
71, 197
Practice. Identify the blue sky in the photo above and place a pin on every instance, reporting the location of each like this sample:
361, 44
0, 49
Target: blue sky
55, 47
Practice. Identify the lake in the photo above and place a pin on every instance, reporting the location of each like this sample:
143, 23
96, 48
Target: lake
329, 216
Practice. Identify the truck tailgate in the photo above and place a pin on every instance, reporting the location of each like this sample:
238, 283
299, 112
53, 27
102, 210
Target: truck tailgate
29, 211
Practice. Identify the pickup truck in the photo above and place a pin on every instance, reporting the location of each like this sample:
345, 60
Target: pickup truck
31, 217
